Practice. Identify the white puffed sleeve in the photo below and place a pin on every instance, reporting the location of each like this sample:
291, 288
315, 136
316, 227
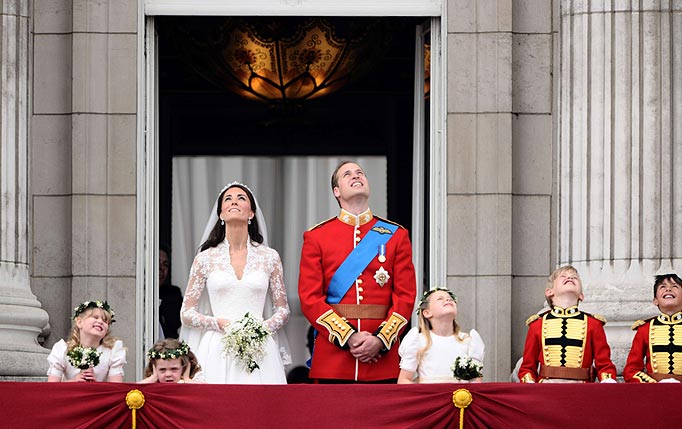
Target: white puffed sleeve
199, 377
118, 359
57, 359
476, 347
408, 350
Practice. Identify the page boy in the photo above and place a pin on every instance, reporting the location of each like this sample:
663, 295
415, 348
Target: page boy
658, 339
563, 343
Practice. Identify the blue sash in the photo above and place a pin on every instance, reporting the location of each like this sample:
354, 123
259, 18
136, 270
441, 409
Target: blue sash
358, 259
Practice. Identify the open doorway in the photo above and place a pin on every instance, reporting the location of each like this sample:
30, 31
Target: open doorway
371, 117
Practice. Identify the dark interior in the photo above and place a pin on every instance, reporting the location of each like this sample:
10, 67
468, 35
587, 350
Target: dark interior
372, 115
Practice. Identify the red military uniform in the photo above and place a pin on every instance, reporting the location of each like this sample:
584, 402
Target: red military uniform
563, 344
656, 351
367, 306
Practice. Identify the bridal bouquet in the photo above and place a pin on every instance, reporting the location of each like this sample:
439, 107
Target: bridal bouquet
246, 340
83, 357
466, 368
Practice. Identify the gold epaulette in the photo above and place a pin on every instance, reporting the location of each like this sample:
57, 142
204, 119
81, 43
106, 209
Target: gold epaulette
339, 329
389, 221
599, 317
321, 223
532, 319
388, 331
637, 324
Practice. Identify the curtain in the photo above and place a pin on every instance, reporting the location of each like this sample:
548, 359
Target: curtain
358, 406
294, 194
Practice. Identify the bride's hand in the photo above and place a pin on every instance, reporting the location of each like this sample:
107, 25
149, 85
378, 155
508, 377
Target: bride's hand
223, 324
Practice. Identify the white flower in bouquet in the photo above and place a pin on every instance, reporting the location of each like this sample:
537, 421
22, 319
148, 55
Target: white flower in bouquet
466, 368
83, 357
245, 340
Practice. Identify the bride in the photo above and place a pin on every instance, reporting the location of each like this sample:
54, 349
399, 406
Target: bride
235, 273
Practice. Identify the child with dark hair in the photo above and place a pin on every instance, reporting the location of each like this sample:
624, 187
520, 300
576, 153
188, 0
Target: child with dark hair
656, 352
171, 361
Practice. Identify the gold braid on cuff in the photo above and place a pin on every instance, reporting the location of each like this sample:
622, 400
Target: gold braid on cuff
339, 329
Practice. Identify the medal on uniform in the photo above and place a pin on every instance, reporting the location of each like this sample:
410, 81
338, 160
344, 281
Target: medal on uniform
381, 276
382, 253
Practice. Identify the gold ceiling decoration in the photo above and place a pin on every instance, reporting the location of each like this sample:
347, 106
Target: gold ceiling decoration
282, 59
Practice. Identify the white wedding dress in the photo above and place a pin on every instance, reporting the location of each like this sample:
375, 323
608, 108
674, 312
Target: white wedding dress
214, 291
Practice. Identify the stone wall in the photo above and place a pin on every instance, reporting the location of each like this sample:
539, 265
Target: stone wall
83, 162
500, 148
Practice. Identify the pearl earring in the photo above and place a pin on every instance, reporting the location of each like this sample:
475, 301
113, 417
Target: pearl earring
249, 221
222, 222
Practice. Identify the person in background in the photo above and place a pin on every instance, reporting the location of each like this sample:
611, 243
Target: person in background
169, 295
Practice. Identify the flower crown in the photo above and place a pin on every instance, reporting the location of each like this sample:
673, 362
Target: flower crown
94, 304
183, 350
425, 297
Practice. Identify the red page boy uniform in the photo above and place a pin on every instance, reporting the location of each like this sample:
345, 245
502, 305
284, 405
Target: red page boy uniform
356, 274
563, 344
659, 341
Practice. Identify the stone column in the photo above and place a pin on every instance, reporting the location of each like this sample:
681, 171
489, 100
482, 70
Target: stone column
479, 130
21, 316
619, 158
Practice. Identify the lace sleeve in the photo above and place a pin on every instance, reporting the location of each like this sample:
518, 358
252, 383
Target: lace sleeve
278, 294
189, 311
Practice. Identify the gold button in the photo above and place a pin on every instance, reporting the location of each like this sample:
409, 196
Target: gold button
360, 289
357, 231
359, 281
357, 239
361, 297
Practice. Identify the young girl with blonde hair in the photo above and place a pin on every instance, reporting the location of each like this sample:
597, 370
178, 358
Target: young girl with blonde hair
91, 353
430, 350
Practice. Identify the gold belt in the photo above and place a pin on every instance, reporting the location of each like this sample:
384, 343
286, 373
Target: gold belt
585, 374
361, 311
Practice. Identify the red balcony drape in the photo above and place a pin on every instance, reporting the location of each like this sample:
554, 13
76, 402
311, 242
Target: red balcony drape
495, 405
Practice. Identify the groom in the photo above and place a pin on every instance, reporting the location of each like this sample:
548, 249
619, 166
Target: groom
357, 286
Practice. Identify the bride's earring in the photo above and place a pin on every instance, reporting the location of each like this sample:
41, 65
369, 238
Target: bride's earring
249, 222
222, 222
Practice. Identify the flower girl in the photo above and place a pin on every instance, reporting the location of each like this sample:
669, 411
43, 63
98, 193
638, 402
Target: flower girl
437, 351
91, 353
171, 361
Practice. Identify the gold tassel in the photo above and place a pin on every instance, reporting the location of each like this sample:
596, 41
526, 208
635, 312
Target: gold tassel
135, 401
461, 398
